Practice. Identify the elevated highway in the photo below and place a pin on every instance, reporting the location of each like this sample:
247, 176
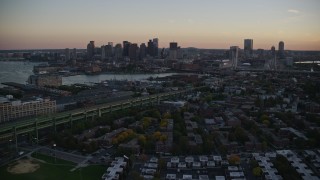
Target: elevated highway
11, 130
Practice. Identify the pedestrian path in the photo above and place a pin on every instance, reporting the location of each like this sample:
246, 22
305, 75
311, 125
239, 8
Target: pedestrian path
81, 164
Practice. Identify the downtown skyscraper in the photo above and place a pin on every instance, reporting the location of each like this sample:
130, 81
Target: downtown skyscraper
248, 48
90, 49
281, 53
234, 50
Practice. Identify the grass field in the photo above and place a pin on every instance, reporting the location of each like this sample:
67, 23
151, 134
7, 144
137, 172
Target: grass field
52, 160
55, 172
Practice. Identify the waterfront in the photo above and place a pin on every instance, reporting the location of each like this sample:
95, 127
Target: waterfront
89, 79
20, 71
307, 62
17, 71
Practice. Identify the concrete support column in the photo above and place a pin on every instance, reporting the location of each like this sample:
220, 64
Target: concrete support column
99, 112
37, 134
54, 124
71, 121
15, 138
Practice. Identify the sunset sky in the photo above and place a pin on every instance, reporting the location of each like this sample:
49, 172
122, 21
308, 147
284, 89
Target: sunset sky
42, 24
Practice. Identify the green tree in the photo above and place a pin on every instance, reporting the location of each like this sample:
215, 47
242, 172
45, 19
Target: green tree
264, 117
176, 150
208, 98
285, 169
234, 159
136, 176
183, 144
223, 149
254, 163
266, 123
156, 176
162, 164
146, 121
208, 146
166, 115
114, 141
155, 113
142, 140
163, 138
157, 135
257, 171
163, 123
264, 145
240, 135
150, 144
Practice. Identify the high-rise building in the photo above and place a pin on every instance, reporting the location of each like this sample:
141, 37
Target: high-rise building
109, 50
173, 50
74, 54
248, 48
260, 53
273, 51
281, 50
126, 45
155, 47
90, 49
143, 51
67, 53
103, 52
173, 46
163, 53
179, 53
133, 51
118, 52
234, 50
273, 58
150, 48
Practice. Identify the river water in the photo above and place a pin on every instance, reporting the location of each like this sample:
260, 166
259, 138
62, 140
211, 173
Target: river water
19, 72
89, 79
15, 71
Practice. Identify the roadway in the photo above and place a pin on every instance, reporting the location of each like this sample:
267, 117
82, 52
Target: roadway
62, 155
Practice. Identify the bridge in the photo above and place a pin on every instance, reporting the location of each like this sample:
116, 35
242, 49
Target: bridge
11, 130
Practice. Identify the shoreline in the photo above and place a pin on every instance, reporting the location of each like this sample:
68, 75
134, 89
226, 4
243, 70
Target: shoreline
119, 73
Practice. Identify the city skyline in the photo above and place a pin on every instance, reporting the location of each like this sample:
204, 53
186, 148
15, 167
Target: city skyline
207, 24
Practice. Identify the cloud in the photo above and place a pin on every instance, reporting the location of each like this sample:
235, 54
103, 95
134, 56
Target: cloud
293, 11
